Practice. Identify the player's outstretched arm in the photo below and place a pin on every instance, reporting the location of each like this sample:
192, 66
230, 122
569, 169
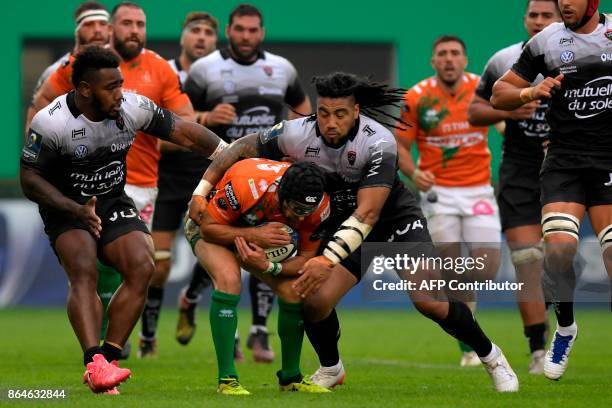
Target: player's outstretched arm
195, 137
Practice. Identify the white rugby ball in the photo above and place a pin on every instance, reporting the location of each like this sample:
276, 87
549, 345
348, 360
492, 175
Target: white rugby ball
281, 253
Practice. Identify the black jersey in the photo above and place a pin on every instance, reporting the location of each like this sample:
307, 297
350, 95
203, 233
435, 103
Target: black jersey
523, 139
581, 111
83, 158
179, 170
258, 90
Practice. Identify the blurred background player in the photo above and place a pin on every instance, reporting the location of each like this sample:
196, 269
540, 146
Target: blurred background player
576, 173
454, 168
246, 213
92, 28
179, 173
245, 89
148, 74
525, 135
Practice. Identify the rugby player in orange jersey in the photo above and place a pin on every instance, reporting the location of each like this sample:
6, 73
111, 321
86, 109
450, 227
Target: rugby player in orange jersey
454, 168
526, 134
92, 28
145, 73
244, 211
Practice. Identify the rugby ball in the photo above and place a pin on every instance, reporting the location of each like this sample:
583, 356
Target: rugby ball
280, 253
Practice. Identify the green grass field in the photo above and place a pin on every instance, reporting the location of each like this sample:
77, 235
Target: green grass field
393, 358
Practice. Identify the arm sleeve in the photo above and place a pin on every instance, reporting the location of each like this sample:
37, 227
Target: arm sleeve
173, 97
380, 170
195, 87
294, 94
531, 62
40, 152
150, 118
269, 142
487, 80
409, 115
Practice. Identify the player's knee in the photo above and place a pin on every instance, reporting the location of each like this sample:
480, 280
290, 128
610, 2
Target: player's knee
80, 268
605, 240
287, 293
162, 267
228, 281
527, 255
560, 227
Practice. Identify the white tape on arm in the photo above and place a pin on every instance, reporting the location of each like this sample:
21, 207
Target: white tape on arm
202, 189
347, 239
220, 147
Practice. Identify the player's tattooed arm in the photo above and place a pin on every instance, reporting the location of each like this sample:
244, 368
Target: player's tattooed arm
243, 148
370, 201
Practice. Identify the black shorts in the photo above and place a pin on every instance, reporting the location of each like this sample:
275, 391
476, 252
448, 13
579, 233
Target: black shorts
169, 214
519, 195
402, 222
118, 214
577, 179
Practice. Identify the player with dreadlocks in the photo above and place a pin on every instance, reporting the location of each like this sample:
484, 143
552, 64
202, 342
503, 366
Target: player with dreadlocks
368, 204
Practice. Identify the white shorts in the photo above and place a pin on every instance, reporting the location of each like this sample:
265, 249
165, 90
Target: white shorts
144, 199
462, 214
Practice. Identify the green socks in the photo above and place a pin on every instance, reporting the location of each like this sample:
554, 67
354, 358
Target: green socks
223, 324
108, 282
291, 333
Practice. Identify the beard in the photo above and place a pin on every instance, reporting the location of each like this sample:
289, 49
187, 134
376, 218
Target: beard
127, 53
242, 56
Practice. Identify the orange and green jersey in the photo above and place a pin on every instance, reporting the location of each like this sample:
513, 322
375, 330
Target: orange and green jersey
453, 150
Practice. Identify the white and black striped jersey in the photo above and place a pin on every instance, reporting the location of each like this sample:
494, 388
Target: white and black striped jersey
523, 139
83, 158
581, 111
176, 66
367, 158
257, 90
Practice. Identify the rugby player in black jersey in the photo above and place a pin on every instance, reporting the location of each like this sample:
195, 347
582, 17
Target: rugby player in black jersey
525, 134
574, 58
368, 204
73, 166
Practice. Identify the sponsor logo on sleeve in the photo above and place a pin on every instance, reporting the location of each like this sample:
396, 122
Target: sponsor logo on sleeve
253, 188
272, 133
231, 197
31, 150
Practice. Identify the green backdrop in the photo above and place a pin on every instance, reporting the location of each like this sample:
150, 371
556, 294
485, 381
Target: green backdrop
410, 25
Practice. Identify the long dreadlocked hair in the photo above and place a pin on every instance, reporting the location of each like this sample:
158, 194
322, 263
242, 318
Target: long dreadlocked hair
371, 96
